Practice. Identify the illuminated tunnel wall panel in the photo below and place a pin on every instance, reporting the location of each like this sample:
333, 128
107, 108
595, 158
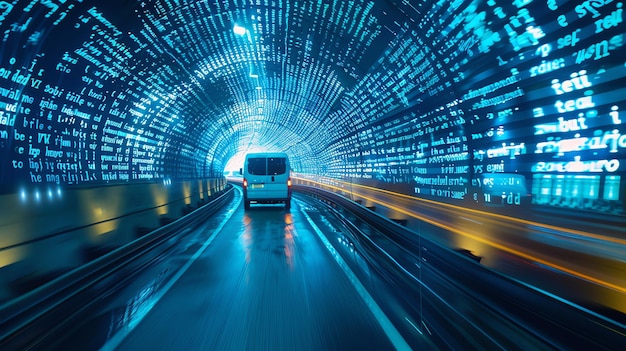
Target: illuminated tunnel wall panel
74, 221
481, 103
518, 104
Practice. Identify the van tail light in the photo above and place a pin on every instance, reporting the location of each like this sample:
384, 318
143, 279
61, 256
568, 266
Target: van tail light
245, 183
289, 182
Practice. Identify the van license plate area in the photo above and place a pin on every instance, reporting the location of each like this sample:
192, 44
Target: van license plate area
257, 186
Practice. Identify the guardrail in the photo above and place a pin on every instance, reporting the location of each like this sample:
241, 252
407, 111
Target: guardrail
487, 310
29, 320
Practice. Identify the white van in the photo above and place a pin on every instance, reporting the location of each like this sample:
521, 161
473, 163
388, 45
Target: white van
266, 179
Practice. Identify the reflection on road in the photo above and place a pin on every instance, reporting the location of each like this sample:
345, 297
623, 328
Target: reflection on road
270, 221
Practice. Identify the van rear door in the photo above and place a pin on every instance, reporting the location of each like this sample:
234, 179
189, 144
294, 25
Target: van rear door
257, 175
276, 184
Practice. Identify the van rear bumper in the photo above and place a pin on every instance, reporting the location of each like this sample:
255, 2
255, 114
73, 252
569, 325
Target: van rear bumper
263, 195
268, 201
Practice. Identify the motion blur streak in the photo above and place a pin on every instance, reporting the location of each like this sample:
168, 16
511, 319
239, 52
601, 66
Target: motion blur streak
392, 333
467, 209
501, 247
153, 297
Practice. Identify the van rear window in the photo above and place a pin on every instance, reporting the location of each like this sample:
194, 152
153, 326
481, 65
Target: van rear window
257, 166
276, 165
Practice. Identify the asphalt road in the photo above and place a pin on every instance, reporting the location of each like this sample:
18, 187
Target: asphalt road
245, 280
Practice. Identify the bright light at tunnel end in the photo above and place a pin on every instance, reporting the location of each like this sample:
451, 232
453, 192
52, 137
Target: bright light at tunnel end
239, 30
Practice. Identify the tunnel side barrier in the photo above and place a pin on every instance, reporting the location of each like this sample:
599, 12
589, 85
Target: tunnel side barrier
35, 316
482, 292
44, 239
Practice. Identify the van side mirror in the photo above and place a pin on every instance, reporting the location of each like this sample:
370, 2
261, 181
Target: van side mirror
241, 171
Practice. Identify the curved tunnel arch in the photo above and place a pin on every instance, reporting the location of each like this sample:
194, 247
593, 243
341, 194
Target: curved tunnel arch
500, 86
245, 45
113, 109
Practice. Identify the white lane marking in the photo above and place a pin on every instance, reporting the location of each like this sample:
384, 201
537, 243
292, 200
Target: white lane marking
390, 330
426, 327
117, 339
413, 325
471, 220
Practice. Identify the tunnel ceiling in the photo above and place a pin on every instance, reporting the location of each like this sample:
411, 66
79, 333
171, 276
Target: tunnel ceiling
178, 77
428, 95
265, 75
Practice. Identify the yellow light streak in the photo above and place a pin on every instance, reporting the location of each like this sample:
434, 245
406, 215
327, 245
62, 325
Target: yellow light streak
484, 213
529, 257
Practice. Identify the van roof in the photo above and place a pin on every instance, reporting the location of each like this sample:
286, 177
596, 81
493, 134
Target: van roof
266, 154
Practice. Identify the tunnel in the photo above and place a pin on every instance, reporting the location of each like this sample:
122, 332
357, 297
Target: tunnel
120, 118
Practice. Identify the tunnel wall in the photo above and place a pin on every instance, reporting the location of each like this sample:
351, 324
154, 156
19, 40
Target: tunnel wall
486, 104
497, 107
86, 102
49, 233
